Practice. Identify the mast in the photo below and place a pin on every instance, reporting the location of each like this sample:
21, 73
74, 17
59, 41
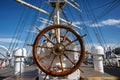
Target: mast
58, 19
57, 4
57, 10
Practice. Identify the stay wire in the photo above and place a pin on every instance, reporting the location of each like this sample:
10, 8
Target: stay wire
87, 14
30, 36
32, 26
100, 7
89, 39
93, 22
70, 12
64, 15
73, 17
49, 18
25, 20
97, 28
108, 60
15, 36
28, 39
114, 4
22, 26
84, 30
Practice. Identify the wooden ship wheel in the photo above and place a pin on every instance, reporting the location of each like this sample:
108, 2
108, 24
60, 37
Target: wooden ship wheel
57, 58
58, 50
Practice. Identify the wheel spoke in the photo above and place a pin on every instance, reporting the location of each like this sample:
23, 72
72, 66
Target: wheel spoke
60, 57
32, 63
45, 56
45, 47
69, 59
45, 77
52, 62
49, 39
72, 50
71, 42
56, 38
64, 38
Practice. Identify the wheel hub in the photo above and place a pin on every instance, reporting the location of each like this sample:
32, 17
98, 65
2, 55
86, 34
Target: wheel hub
58, 49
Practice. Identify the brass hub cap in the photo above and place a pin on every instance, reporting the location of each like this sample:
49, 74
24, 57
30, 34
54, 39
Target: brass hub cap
58, 49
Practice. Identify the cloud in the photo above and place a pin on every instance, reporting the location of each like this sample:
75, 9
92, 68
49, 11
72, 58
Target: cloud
9, 40
77, 23
106, 46
111, 22
108, 22
96, 25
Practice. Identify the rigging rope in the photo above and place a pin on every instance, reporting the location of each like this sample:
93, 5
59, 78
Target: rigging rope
82, 32
30, 36
112, 5
16, 33
100, 35
97, 30
92, 21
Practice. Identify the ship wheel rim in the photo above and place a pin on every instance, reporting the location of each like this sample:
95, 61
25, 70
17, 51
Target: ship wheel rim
56, 73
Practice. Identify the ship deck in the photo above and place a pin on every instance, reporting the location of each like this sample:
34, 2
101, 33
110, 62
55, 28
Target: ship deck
110, 73
31, 73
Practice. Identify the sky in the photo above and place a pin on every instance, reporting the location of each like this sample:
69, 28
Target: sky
105, 13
